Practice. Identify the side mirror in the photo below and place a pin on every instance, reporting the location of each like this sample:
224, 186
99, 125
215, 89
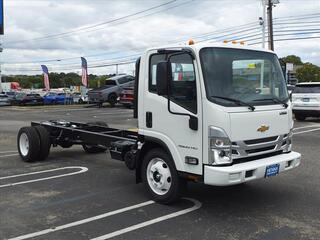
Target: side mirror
163, 77
290, 96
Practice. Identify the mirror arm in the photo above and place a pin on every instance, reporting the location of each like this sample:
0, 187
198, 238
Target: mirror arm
193, 121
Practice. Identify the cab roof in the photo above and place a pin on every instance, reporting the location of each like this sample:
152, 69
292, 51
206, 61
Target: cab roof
197, 46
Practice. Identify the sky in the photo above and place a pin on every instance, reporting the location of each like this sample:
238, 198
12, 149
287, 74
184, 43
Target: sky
109, 31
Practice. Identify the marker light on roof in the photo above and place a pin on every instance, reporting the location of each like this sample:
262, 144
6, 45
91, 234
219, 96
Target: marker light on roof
234, 42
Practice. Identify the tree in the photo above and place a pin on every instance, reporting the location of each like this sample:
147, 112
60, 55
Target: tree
308, 73
290, 59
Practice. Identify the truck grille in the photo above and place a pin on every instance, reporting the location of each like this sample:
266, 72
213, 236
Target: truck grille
260, 140
256, 147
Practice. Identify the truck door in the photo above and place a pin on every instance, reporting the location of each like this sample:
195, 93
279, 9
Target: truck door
164, 123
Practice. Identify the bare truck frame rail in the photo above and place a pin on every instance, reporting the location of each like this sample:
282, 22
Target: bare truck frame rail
94, 137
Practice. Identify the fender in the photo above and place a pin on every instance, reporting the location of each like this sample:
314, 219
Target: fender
148, 144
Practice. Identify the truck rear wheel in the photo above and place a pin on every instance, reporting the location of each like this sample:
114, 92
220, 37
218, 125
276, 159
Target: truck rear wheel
160, 177
45, 142
112, 99
28, 144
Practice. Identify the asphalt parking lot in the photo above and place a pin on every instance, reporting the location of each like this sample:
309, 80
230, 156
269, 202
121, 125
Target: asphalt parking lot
74, 195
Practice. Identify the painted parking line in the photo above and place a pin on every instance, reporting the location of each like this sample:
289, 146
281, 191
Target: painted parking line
82, 170
309, 126
14, 151
306, 131
9, 155
196, 206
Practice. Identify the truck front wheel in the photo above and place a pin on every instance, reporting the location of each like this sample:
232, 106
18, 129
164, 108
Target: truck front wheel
160, 177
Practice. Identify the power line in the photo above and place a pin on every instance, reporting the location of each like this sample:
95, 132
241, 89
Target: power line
288, 39
97, 29
95, 25
114, 52
206, 34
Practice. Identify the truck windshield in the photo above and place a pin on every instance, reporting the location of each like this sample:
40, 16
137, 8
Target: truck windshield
252, 77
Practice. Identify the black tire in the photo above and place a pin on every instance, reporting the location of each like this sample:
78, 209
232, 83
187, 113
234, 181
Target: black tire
300, 117
45, 142
32, 152
112, 99
80, 101
177, 184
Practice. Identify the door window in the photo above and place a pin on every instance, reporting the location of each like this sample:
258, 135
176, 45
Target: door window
183, 85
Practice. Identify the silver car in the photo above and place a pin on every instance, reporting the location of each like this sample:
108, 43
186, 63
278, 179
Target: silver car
111, 90
4, 100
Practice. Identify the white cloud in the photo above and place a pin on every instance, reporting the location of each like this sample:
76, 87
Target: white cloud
35, 18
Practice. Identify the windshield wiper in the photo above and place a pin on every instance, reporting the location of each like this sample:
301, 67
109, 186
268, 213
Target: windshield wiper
239, 102
275, 100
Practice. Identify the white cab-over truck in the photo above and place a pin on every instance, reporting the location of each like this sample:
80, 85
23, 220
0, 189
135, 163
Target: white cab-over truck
217, 114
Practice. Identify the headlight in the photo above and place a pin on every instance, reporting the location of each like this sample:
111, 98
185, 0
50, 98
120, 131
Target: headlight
219, 147
288, 145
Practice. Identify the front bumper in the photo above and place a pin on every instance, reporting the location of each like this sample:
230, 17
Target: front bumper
244, 172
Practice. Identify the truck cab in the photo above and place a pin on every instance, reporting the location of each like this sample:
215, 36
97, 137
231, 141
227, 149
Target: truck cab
219, 114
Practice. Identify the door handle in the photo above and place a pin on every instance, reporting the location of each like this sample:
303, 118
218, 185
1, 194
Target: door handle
149, 119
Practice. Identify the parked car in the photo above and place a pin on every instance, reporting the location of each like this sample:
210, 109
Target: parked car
11, 95
4, 100
77, 98
50, 98
58, 98
64, 98
306, 100
110, 92
126, 97
28, 99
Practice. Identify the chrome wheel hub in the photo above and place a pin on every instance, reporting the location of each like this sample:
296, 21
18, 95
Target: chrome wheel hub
159, 176
24, 144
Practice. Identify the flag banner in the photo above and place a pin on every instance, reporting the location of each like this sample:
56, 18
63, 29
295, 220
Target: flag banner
46, 77
1, 18
84, 67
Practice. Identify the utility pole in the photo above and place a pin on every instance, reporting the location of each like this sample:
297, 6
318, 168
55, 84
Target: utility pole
270, 25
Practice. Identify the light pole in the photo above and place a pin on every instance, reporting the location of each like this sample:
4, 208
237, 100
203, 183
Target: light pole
262, 22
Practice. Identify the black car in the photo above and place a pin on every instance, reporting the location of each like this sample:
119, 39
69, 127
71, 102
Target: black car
28, 99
